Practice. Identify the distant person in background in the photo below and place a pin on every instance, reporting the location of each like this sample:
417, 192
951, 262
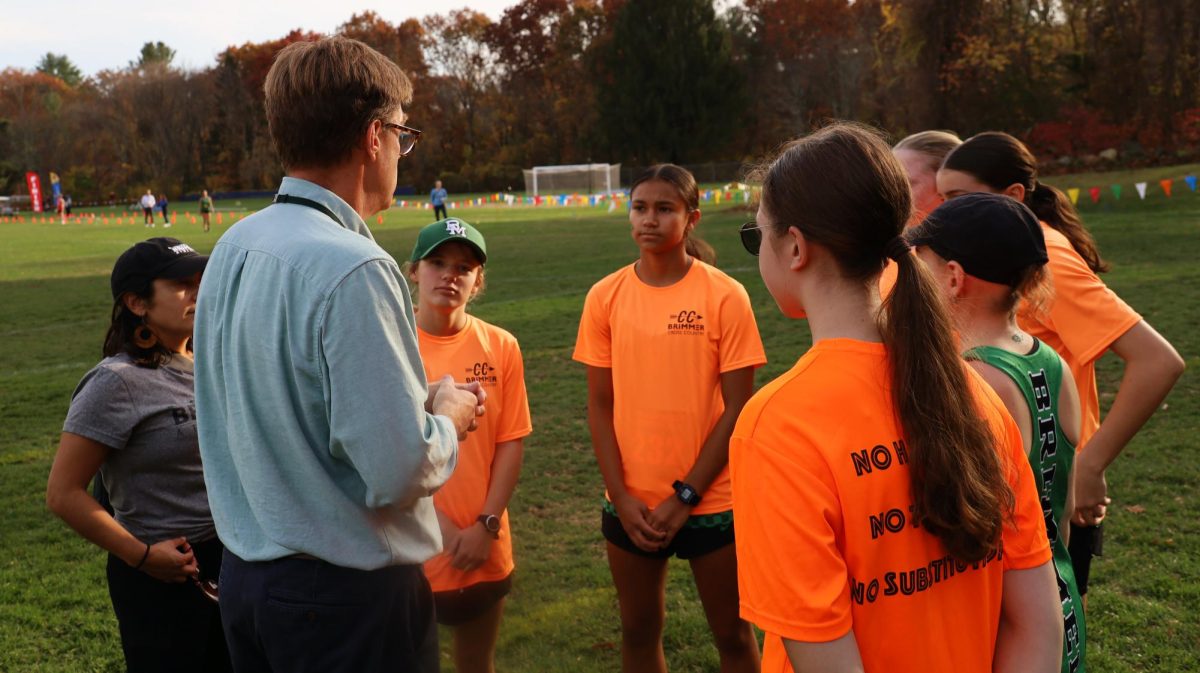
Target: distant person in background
162, 205
68, 205
206, 208
60, 204
438, 198
133, 418
148, 208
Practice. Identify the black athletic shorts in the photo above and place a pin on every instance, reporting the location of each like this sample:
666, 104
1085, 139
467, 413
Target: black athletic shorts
1085, 542
463, 605
700, 535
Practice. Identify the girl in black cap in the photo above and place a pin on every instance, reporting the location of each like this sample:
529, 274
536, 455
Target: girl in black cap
1082, 321
133, 418
987, 253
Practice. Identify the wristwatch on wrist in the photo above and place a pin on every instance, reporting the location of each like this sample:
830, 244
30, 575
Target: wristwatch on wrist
491, 523
686, 494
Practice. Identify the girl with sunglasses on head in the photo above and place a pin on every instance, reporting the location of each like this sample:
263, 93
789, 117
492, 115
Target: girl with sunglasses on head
1083, 320
986, 253
670, 345
887, 517
133, 419
473, 574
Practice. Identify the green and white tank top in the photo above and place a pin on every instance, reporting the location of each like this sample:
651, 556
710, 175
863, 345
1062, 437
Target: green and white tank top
1039, 376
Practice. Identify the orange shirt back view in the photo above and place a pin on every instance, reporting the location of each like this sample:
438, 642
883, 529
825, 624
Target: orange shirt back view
667, 347
1083, 319
826, 542
488, 354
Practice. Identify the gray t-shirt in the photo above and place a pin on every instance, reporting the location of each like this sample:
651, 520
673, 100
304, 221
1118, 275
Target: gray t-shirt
148, 417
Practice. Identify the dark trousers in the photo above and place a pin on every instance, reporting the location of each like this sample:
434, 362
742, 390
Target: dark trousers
439, 210
300, 614
169, 627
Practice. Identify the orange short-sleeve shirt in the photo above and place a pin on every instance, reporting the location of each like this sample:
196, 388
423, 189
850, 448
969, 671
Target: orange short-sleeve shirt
1083, 319
825, 540
667, 347
490, 355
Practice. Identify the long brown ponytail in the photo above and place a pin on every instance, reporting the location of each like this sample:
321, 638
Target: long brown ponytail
844, 190
999, 160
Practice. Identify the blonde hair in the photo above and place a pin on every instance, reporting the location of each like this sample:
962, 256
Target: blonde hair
934, 145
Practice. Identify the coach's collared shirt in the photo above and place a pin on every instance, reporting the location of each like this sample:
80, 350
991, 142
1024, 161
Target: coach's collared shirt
310, 392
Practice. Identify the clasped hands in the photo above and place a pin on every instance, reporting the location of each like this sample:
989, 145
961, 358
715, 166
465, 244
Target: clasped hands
651, 529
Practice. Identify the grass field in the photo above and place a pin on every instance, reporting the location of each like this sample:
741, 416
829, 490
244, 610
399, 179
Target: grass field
54, 609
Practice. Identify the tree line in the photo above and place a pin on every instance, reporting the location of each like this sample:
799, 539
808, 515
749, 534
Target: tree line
641, 81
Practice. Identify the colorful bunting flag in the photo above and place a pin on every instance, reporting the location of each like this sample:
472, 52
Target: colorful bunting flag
1191, 182
1116, 190
1073, 193
1094, 192
1141, 189
1166, 186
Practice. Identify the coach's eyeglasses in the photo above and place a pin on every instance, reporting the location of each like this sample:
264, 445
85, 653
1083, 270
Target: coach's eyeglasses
408, 137
751, 237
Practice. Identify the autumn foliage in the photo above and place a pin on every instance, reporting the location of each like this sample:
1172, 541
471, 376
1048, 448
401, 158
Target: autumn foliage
640, 81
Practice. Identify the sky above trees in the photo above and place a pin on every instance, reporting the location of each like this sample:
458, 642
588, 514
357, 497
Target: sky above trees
105, 34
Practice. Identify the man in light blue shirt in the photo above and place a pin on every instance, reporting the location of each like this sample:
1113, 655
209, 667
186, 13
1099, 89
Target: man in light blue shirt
321, 441
437, 198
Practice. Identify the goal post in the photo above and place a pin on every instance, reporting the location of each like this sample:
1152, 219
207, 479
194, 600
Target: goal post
572, 179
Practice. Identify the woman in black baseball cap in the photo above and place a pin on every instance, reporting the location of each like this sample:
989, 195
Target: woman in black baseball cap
987, 253
1082, 321
132, 424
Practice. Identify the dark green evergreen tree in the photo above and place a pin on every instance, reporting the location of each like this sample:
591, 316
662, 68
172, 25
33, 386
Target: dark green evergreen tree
668, 89
58, 65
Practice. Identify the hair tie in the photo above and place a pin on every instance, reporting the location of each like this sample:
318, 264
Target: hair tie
896, 249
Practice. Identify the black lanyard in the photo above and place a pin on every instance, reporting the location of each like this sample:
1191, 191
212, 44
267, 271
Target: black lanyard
307, 203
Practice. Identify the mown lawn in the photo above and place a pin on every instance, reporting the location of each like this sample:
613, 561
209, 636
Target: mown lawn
54, 609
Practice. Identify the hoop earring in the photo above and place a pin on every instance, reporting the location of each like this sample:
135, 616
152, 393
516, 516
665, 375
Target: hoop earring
144, 337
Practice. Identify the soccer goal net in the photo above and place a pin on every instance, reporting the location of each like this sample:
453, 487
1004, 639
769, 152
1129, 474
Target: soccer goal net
575, 179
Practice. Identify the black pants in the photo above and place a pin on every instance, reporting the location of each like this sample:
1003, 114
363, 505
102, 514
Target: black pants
439, 209
1086, 542
295, 615
169, 627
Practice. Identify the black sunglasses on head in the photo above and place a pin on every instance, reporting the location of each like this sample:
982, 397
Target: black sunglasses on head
751, 237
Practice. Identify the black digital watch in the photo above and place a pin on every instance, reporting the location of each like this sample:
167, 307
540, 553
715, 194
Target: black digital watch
686, 494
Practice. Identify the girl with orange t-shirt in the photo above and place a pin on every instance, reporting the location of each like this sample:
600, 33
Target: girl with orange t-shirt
671, 345
883, 524
473, 574
1082, 321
